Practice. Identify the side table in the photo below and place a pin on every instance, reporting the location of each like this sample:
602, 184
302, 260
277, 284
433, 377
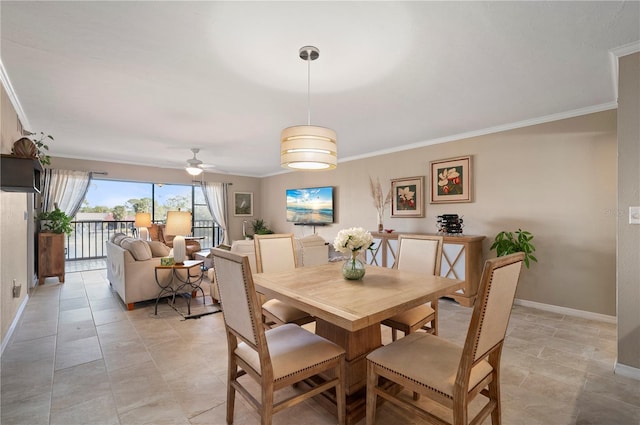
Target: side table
205, 257
185, 281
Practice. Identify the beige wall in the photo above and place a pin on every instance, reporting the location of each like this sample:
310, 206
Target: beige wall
164, 175
628, 195
556, 180
16, 258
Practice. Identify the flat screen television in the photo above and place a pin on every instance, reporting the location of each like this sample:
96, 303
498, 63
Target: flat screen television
313, 205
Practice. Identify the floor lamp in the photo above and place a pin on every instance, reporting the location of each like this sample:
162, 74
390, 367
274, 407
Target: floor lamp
143, 222
179, 224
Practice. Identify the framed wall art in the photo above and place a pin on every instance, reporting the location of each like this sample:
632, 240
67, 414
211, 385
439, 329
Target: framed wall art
407, 198
451, 180
243, 204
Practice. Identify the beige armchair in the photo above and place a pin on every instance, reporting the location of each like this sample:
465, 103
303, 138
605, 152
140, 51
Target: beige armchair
156, 233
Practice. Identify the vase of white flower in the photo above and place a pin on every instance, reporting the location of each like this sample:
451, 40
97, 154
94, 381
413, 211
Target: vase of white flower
353, 268
352, 241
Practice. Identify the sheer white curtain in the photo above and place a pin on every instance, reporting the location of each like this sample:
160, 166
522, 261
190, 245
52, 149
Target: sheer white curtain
66, 188
216, 196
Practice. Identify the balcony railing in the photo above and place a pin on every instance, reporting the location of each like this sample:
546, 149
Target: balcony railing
88, 239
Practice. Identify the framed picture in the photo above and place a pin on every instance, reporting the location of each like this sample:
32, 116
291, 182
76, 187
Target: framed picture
407, 199
451, 180
243, 203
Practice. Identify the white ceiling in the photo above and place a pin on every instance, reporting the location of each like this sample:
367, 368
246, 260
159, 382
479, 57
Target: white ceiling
143, 82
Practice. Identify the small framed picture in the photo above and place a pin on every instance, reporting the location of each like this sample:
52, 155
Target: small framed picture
451, 180
243, 204
407, 199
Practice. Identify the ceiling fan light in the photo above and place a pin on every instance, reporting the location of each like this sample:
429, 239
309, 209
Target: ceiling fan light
194, 171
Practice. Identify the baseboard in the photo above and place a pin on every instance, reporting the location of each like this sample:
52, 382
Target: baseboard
628, 371
14, 324
568, 311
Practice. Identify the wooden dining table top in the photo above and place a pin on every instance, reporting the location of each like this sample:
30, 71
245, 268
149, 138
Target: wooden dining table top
353, 304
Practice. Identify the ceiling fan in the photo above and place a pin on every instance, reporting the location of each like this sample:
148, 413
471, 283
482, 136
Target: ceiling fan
194, 165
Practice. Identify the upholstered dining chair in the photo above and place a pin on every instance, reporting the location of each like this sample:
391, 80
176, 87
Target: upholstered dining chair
455, 375
422, 254
275, 358
275, 253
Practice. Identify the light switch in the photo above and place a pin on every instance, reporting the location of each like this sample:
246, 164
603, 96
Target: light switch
634, 215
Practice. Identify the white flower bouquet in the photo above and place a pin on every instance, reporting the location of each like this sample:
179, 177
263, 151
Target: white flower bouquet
353, 240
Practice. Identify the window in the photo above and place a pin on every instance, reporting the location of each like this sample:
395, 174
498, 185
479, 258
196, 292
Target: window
171, 197
111, 205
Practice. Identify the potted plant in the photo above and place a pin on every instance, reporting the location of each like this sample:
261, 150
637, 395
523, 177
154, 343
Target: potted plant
55, 221
260, 228
36, 147
507, 243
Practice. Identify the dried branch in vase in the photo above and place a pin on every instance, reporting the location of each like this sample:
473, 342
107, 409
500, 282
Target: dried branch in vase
380, 200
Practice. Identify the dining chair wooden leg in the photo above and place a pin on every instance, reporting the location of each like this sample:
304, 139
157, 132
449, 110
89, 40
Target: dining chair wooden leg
394, 334
341, 395
494, 388
267, 404
372, 381
434, 322
232, 375
460, 416
494, 394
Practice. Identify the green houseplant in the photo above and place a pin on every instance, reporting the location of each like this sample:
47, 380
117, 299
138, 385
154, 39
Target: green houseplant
507, 243
55, 221
33, 146
260, 227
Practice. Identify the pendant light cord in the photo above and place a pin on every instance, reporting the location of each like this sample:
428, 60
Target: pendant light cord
309, 87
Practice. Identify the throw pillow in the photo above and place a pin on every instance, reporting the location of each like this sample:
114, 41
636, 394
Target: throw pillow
161, 236
138, 248
153, 232
158, 249
117, 238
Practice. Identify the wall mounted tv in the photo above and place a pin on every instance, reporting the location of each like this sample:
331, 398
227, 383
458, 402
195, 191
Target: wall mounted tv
313, 205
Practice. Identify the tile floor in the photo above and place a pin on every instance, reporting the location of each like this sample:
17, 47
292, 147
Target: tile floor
78, 357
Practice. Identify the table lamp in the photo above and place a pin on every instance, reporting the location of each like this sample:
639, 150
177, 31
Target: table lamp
143, 221
178, 224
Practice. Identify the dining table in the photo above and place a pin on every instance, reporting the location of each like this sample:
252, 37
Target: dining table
349, 312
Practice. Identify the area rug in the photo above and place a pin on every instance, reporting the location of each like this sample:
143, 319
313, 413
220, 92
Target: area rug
198, 308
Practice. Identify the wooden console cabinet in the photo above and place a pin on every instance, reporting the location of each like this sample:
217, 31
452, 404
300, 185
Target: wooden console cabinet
50, 256
461, 259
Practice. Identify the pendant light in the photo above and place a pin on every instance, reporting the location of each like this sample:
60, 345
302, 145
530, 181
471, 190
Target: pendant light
308, 147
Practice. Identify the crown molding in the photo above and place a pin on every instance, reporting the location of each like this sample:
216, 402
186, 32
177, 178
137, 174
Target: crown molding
13, 97
614, 55
626, 49
490, 130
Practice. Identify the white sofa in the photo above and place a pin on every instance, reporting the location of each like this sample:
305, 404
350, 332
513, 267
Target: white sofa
134, 279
